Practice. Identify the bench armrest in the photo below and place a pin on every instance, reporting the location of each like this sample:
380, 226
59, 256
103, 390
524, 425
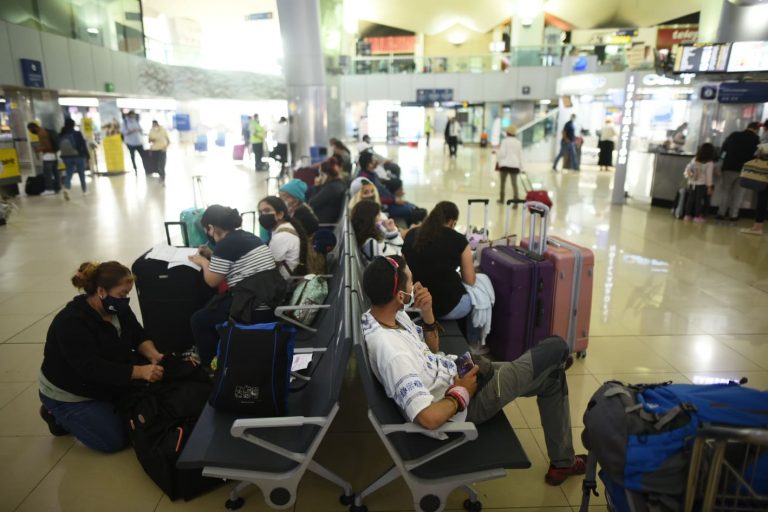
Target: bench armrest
280, 312
449, 427
240, 426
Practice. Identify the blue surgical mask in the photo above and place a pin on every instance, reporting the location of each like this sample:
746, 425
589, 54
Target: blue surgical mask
115, 304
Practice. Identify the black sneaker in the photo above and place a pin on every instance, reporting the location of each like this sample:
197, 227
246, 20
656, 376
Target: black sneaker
55, 429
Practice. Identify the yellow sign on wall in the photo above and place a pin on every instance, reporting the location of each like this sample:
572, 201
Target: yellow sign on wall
113, 153
87, 128
10, 161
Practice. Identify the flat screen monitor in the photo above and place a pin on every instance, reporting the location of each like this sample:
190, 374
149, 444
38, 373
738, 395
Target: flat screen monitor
702, 58
748, 56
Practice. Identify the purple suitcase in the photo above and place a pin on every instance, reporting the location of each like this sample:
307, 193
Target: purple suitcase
524, 284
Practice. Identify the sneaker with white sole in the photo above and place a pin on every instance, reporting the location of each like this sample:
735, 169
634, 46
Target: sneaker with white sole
751, 231
47, 193
66, 194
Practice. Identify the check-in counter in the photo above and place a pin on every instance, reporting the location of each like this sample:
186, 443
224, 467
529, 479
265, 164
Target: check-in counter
668, 180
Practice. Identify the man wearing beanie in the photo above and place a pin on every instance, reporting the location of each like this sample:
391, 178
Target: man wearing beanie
294, 194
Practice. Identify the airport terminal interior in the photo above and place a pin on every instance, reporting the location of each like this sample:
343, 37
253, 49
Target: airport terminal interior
672, 299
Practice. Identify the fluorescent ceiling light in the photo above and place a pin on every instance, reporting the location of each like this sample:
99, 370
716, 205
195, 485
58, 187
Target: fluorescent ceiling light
92, 30
75, 101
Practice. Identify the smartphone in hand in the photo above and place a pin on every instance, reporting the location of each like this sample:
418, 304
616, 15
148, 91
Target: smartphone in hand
464, 364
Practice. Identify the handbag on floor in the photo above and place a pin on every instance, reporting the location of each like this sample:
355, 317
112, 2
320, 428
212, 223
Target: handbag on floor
754, 174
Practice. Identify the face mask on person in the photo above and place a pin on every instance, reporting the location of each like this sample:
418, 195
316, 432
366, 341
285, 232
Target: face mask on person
115, 304
268, 221
411, 298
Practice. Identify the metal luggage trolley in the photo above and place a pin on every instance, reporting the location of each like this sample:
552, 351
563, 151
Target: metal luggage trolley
725, 468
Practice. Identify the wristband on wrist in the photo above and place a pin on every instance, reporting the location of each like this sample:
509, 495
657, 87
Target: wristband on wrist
461, 395
434, 326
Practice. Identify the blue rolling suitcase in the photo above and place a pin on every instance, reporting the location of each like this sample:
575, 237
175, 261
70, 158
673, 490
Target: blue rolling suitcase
192, 232
523, 282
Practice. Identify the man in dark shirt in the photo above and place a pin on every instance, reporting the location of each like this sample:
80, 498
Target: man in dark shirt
327, 198
568, 145
738, 148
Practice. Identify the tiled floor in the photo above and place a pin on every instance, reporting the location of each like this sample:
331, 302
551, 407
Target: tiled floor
672, 301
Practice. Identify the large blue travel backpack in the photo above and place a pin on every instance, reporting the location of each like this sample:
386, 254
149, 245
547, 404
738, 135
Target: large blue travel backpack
642, 435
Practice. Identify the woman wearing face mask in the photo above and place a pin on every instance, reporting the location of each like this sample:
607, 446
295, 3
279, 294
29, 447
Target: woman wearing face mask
363, 189
294, 194
89, 358
237, 255
375, 234
288, 242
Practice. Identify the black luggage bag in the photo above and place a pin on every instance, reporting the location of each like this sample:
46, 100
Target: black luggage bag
168, 297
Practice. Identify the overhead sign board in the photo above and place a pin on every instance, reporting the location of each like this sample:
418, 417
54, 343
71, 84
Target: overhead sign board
743, 92
32, 73
430, 96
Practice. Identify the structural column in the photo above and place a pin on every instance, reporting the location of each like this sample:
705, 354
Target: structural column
304, 70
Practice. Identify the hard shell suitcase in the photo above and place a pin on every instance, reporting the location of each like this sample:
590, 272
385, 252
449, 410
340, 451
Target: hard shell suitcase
168, 297
475, 234
523, 283
541, 196
189, 220
572, 297
238, 151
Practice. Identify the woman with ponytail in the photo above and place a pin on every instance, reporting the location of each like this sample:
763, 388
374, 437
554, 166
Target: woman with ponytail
94, 349
236, 256
434, 251
288, 241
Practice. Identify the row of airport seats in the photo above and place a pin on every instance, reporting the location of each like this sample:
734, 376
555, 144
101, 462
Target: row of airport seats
275, 453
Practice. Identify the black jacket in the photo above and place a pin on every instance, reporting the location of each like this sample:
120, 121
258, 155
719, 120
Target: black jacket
739, 148
307, 218
85, 356
265, 288
328, 200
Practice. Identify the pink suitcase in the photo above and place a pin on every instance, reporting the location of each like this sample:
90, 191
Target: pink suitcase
238, 151
574, 268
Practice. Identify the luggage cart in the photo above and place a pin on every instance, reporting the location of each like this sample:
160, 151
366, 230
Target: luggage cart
727, 471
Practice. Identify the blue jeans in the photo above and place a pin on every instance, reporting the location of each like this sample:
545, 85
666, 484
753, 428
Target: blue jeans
72, 164
51, 175
570, 148
463, 310
204, 324
401, 211
94, 423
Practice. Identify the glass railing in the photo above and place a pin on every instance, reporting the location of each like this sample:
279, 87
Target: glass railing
538, 130
540, 56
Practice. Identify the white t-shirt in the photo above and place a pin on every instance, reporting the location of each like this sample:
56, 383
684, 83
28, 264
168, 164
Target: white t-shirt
281, 133
411, 374
285, 246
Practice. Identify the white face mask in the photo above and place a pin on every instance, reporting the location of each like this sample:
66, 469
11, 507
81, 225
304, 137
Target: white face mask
412, 297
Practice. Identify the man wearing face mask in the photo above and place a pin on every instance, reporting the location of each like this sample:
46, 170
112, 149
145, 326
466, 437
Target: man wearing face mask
426, 385
92, 354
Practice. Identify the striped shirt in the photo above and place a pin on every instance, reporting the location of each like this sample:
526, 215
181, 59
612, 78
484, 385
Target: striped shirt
239, 255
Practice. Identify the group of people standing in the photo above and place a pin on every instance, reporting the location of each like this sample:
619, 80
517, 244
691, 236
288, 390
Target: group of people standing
154, 159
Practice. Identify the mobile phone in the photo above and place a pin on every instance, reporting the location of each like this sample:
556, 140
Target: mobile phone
464, 364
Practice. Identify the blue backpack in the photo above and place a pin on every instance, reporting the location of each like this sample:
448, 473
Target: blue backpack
642, 435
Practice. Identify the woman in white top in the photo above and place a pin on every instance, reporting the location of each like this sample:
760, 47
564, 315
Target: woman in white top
376, 235
288, 242
606, 145
509, 162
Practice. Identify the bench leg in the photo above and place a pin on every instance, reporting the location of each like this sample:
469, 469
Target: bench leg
331, 477
391, 474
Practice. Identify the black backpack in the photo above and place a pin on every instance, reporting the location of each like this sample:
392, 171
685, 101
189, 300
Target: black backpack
160, 419
35, 185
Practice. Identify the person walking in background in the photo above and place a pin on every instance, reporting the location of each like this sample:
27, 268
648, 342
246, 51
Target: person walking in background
568, 145
133, 138
158, 145
699, 173
509, 162
281, 137
46, 148
257, 141
452, 130
427, 128
74, 153
738, 149
761, 210
606, 145
246, 132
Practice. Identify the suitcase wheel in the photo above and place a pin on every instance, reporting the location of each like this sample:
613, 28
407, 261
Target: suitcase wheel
581, 355
472, 506
234, 504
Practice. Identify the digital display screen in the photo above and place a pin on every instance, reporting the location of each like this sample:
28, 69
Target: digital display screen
748, 56
709, 58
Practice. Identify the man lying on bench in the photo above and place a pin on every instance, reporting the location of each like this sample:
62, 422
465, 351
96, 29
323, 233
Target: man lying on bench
427, 386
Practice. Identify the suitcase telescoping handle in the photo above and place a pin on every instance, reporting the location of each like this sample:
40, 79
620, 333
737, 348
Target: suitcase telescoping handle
508, 214
485, 203
536, 209
253, 214
197, 191
184, 234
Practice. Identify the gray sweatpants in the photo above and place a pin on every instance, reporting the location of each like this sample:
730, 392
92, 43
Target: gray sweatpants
540, 373
730, 194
